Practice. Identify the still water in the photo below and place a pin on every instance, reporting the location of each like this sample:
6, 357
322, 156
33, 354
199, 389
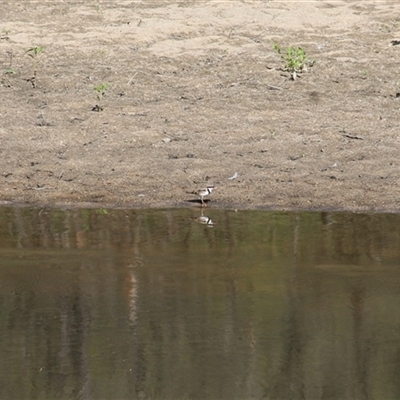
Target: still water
138, 304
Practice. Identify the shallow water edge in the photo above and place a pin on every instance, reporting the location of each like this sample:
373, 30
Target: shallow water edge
191, 204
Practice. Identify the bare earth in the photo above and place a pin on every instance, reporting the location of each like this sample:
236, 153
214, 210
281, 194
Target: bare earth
198, 94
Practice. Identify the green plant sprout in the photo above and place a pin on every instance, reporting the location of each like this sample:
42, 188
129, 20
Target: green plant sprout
390, 28
366, 72
10, 71
101, 90
34, 53
295, 60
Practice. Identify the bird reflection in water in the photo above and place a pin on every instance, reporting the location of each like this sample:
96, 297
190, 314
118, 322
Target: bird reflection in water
204, 220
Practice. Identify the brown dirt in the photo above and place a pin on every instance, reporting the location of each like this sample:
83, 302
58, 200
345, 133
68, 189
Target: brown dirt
197, 93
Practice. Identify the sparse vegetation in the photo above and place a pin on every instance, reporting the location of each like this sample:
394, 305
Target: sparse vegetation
34, 53
295, 59
8, 71
366, 72
388, 28
5, 34
101, 90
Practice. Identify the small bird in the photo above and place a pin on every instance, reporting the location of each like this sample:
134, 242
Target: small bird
204, 192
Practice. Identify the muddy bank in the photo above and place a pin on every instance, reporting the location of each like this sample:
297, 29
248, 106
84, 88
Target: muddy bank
197, 94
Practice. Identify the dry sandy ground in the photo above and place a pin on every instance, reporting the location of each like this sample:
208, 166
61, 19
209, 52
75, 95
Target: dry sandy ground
197, 94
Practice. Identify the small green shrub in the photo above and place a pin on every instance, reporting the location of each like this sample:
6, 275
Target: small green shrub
34, 53
295, 59
101, 90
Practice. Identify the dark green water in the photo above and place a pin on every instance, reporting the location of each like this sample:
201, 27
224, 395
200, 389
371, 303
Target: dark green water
138, 304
